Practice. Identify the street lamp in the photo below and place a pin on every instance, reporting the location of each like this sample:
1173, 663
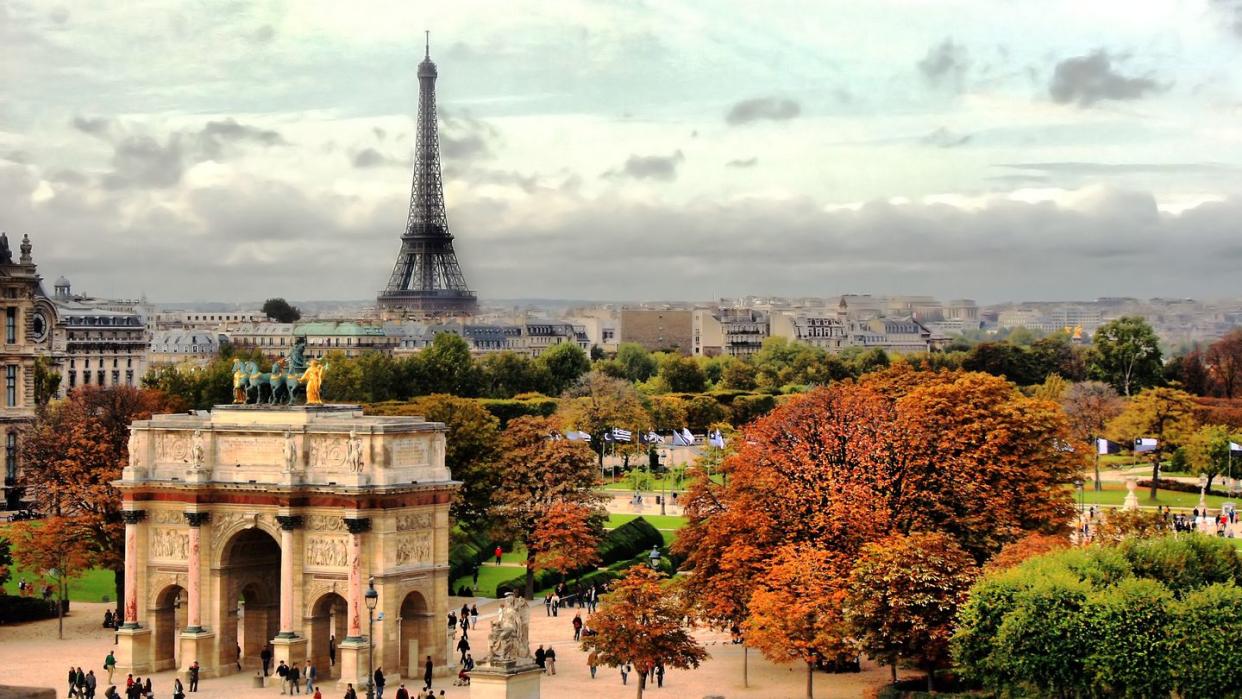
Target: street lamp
655, 557
372, 599
1079, 483
668, 468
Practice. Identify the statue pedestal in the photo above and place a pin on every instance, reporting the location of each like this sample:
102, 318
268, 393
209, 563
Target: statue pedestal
291, 650
133, 648
1132, 501
506, 681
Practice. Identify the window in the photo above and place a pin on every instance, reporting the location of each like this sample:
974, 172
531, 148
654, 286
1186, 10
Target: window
86, 378
116, 377
73, 380
100, 377
10, 457
10, 325
10, 385
129, 377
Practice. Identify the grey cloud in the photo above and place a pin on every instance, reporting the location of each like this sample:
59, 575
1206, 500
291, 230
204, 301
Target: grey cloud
370, 157
1085, 80
463, 137
762, 108
16, 156
216, 136
141, 161
94, 126
263, 34
1231, 12
945, 64
649, 167
743, 162
1087, 168
944, 138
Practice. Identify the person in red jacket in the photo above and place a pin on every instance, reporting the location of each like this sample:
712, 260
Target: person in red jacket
498, 551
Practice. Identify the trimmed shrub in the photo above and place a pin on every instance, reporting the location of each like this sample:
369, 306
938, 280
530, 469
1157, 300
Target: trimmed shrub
1204, 639
746, 408
15, 609
506, 409
629, 540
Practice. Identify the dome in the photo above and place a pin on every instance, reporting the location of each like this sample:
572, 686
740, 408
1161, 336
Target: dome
61, 281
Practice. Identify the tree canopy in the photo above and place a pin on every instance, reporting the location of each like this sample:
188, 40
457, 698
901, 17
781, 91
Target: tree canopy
281, 311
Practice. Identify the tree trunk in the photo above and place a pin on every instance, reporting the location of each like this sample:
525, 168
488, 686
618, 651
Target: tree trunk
1155, 472
642, 684
530, 572
745, 665
892, 665
1099, 486
810, 688
931, 679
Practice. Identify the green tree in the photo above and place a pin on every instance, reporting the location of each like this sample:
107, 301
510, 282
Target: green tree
1204, 638
471, 452
280, 311
565, 363
6, 561
1089, 406
738, 375
1165, 414
506, 374
1127, 355
343, 381
597, 403
667, 413
447, 366
46, 381
682, 374
704, 411
1208, 451
636, 362
1126, 629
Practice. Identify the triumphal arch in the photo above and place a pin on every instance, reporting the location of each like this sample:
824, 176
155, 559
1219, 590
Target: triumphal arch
252, 525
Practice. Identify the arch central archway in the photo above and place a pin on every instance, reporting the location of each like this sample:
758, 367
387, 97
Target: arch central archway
167, 619
250, 589
324, 632
416, 634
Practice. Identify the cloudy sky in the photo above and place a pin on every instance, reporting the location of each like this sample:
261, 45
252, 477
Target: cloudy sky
631, 149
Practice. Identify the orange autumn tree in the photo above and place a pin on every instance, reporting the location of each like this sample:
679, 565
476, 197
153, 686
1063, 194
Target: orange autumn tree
904, 592
539, 473
643, 622
1029, 546
566, 538
900, 451
795, 613
72, 453
57, 547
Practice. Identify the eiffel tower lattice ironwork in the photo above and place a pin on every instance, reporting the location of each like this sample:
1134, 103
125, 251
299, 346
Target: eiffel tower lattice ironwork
427, 279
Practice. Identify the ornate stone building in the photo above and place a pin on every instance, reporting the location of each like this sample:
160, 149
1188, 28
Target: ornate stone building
251, 525
28, 318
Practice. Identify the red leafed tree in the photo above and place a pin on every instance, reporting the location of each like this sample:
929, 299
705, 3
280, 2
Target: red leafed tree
57, 547
899, 452
539, 473
566, 538
796, 612
643, 622
904, 592
71, 455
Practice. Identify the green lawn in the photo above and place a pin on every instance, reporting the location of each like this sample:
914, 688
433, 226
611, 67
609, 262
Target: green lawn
91, 586
1114, 494
489, 577
669, 522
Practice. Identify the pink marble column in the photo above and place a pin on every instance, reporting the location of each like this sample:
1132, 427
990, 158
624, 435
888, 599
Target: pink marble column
130, 610
287, 524
357, 527
194, 611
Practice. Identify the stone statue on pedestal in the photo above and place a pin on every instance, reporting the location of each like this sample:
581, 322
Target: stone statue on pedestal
1132, 502
353, 452
290, 453
509, 641
197, 451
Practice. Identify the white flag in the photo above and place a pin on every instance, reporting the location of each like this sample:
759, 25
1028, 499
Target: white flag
1145, 444
716, 440
1234, 446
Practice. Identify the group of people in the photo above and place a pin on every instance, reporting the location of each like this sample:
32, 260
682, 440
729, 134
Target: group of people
27, 589
83, 685
582, 596
292, 676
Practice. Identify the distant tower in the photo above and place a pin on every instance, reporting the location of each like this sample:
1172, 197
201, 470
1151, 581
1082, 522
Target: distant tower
426, 280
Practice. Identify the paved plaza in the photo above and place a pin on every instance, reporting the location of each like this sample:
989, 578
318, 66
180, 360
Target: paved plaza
31, 655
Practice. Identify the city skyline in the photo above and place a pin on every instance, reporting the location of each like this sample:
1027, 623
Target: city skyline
633, 152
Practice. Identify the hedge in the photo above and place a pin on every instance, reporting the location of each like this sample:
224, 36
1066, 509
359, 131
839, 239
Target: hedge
506, 409
621, 547
466, 550
1180, 486
14, 609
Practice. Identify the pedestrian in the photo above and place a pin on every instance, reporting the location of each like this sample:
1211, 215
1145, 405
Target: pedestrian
379, 682
659, 673
474, 614
178, 689
295, 680
317, 694
540, 656
463, 647
427, 668
81, 683
402, 692
146, 689
547, 604
265, 656
238, 656
625, 673
110, 693
498, 551
474, 575
469, 664
465, 621
110, 665
332, 650
550, 659
349, 691
312, 674
194, 677
73, 682
556, 602
282, 671
90, 684
577, 627
593, 663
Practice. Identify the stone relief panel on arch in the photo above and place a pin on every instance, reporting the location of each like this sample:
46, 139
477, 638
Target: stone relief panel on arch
170, 544
326, 552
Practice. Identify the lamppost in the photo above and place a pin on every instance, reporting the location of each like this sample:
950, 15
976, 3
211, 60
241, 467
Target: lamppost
372, 599
1079, 484
668, 468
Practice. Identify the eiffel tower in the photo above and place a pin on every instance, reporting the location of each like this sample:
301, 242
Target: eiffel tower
427, 281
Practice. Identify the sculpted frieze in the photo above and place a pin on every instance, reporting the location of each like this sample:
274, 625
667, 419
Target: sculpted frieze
326, 552
417, 520
414, 548
170, 544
